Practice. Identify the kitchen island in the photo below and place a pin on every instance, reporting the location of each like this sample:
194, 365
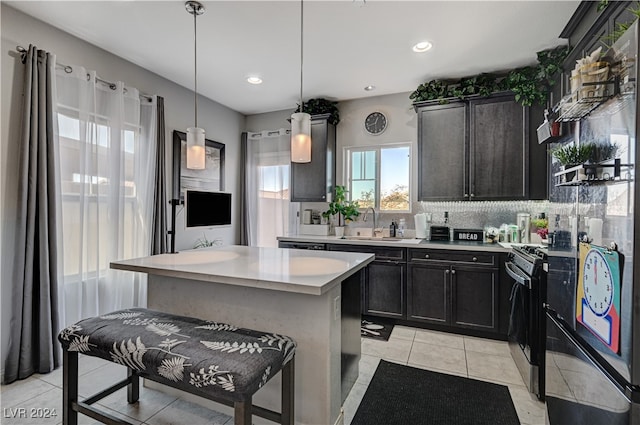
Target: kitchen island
313, 297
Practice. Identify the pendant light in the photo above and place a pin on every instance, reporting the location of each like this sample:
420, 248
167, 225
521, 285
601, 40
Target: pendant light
301, 121
195, 135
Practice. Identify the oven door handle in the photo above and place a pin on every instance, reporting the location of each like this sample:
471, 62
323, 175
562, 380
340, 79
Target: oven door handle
517, 275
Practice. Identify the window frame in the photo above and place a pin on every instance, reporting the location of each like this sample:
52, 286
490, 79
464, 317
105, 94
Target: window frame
347, 169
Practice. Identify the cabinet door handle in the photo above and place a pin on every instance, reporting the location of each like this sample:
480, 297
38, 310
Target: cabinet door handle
475, 258
426, 256
446, 271
453, 272
472, 195
466, 195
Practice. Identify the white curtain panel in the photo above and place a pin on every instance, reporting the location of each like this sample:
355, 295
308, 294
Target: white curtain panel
107, 154
268, 175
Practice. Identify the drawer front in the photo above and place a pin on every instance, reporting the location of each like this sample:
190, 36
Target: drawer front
381, 252
471, 257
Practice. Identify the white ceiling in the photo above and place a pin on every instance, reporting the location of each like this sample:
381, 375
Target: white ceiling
347, 44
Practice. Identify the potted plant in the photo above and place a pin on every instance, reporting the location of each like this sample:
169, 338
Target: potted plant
603, 152
342, 208
570, 156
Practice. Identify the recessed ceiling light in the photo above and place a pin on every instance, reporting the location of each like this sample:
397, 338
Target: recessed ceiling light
254, 80
423, 46
370, 88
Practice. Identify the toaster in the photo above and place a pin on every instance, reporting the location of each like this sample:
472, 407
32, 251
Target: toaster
439, 233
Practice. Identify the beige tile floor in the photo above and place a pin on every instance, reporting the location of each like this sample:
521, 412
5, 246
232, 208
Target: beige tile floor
470, 357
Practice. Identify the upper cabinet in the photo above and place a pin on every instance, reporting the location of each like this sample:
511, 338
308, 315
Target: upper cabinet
314, 181
442, 159
589, 29
478, 149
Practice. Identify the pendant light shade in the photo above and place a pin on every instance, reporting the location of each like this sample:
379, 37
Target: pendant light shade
195, 135
195, 148
300, 137
301, 121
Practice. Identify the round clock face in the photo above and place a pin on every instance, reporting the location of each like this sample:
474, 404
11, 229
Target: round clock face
598, 283
375, 123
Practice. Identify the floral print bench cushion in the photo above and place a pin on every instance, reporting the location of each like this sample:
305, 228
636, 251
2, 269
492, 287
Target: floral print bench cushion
195, 355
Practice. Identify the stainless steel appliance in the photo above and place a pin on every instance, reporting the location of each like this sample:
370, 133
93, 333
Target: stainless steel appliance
526, 266
593, 298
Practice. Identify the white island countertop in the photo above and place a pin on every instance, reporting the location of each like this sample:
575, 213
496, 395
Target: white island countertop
304, 272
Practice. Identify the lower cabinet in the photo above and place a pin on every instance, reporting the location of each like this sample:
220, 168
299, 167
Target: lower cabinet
428, 293
460, 290
474, 297
383, 292
384, 289
450, 289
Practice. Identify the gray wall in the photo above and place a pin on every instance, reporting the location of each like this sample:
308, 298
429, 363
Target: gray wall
350, 131
220, 123
402, 128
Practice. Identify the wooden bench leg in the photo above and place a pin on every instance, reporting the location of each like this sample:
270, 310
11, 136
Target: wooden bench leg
242, 412
133, 389
69, 387
288, 393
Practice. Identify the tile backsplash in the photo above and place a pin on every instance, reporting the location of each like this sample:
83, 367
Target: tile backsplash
462, 214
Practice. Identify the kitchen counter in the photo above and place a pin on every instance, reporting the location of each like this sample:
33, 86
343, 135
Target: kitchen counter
303, 272
406, 243
311, 296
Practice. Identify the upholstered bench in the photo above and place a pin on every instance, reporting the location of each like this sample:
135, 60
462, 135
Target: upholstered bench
217, 361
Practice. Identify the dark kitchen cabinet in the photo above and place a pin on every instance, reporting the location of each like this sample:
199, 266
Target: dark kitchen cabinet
474, 292
442, 134
427, 293
383, 292
384, 289
314, 181
498, 149
475, 149
590, 28
457, 289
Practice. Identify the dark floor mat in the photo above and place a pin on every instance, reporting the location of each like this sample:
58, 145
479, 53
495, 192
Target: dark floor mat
403, 395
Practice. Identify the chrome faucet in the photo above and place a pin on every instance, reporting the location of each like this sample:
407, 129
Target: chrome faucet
364, 219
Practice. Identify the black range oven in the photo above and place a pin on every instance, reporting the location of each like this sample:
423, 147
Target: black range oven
526, 265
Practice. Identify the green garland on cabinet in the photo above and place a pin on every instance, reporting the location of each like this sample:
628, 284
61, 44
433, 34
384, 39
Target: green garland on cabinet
530, 83
321, 106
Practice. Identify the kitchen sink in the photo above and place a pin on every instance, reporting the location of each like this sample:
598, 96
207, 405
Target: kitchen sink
370, 238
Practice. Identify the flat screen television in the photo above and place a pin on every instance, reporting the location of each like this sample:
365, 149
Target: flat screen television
204, 209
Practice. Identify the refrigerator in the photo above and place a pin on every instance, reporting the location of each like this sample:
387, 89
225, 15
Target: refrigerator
593, 284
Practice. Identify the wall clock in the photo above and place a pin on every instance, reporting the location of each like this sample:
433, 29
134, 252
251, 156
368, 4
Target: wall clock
598, 293
598, 282
375, 123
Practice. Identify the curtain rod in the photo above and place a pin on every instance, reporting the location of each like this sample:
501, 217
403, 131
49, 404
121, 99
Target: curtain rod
68, 69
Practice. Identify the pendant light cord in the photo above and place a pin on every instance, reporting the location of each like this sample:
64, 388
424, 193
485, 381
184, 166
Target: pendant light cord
195, 65
301, 50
